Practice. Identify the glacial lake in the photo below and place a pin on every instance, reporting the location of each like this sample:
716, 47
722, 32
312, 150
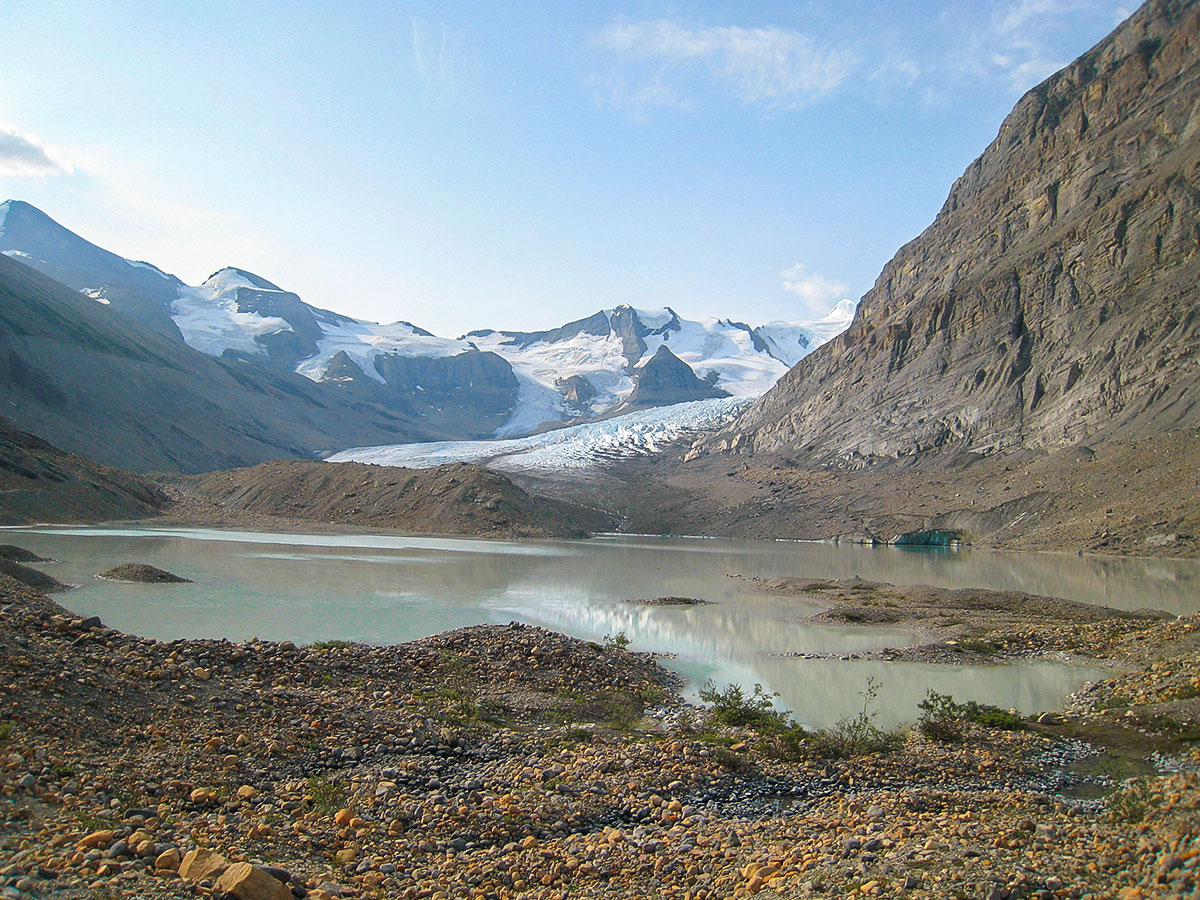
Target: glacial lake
381, 588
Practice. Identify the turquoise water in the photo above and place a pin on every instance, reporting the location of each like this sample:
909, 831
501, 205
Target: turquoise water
387, 588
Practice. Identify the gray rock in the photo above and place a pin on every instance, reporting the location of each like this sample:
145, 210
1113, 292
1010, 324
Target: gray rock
980, 335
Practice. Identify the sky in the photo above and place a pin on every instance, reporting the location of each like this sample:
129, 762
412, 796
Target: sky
469, 165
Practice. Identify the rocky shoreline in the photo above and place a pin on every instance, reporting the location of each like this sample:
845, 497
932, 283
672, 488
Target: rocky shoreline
508, 761
970, 626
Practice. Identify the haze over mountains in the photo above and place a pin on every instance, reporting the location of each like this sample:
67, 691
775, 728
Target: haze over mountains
486, 383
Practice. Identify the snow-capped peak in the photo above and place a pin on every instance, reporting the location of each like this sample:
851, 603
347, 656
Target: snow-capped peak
230, 278
654, 319
842, 313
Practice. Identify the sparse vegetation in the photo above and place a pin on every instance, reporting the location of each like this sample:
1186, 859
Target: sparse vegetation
618, 641
942, 717
1130, 804
854, 736
330, 645
327, 797
733, 706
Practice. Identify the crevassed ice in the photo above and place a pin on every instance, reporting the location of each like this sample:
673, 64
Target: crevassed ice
574, 447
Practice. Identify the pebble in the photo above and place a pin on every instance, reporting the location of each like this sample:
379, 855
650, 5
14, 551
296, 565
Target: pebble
377, 772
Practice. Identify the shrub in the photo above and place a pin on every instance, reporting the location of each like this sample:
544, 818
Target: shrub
618, 641
856, 735
733, 706
942, 717
853, 736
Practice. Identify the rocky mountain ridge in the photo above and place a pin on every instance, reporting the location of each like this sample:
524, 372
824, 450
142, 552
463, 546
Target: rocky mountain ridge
1053, 300
121, 393
485, 383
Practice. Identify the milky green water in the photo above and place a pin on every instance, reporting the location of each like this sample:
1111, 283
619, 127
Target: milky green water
387, 588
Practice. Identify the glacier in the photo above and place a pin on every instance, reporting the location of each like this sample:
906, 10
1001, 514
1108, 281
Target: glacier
572, 448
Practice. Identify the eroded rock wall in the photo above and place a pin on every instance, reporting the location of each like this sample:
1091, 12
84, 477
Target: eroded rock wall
1054, 299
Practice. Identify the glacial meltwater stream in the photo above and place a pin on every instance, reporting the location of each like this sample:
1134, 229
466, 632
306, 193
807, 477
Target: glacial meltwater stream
380, 588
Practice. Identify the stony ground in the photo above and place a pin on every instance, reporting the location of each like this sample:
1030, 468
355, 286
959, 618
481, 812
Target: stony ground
1120, 497
508, 761
972, 625
456, 498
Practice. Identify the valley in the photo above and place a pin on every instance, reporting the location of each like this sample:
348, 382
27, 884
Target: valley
886, 599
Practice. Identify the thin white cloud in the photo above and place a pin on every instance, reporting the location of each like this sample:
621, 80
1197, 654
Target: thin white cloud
443, 63
818, 292
1023, 31
1018, 43
24, 155
775, 67
1018, 15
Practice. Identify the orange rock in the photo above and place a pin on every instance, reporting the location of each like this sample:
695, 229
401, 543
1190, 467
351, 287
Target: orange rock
97, 839
199, 865
248, 882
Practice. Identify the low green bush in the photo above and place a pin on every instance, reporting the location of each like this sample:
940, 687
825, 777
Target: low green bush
942, 717
733, 706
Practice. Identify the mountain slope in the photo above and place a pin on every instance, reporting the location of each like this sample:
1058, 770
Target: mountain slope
94, 382
137, 289
483, 384
1052, 301
40, 483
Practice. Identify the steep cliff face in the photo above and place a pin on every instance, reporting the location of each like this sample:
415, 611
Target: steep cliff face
1054, 300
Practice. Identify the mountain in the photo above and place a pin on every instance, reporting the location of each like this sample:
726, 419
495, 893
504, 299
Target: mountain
589, 368
486, 383
95, 382
665, 380
1053, 301
139, 290
40, 483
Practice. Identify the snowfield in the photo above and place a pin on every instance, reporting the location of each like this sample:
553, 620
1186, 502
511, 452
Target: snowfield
209, 320
363, 341
581, 371
742, 361
572, 448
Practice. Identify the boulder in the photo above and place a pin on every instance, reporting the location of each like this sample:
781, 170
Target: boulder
201, 865
249, 882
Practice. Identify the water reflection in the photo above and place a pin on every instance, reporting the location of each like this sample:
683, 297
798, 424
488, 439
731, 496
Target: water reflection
388, 588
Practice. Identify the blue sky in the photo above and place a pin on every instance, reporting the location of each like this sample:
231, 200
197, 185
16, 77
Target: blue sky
474, 164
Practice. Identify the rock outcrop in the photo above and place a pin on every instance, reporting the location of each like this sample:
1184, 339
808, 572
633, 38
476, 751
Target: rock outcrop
667, 379
1054, 298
